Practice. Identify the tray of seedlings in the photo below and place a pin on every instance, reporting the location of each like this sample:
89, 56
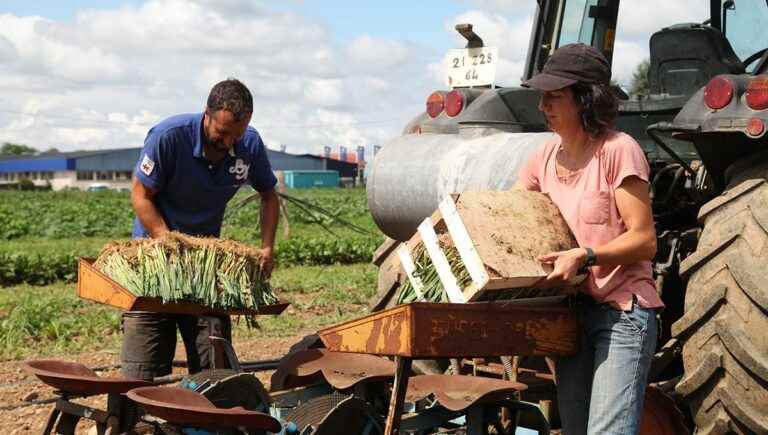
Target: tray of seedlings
471, 290
179, 274
481, 246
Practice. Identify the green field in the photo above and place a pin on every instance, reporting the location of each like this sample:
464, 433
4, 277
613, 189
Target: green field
42, 233
327, 278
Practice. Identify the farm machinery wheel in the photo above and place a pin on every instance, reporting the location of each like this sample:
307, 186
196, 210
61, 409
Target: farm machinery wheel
725, 352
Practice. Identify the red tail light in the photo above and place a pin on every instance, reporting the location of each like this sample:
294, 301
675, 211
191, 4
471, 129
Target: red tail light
718, 92
755, 127
454, 103
435, 104
757, 93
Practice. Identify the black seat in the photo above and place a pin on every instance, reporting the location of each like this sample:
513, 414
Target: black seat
685, 56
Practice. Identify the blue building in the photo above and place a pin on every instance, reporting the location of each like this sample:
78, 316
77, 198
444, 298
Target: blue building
113, 168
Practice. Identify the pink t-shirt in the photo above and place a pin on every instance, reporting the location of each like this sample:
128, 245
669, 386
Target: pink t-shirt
587, 202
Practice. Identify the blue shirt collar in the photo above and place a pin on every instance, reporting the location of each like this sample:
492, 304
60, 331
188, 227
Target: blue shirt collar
198, 151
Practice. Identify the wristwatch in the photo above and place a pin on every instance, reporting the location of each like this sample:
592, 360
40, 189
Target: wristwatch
591, 259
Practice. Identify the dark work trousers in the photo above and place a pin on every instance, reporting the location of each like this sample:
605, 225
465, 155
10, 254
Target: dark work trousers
149, 342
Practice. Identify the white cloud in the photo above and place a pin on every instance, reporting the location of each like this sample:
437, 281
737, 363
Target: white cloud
323, 92
104, 78
8, 52
40, 51
627, 55
375, 53
507, 7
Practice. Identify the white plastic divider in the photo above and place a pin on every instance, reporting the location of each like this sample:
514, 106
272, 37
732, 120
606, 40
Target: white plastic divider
429, 238
410, 268
463, 243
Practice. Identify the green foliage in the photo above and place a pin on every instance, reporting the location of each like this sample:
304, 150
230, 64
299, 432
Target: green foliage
319, 296
640, 84
52, 320
35, 320
60, 215
38, 269
327, 250
15, 149
44, 233
348, 204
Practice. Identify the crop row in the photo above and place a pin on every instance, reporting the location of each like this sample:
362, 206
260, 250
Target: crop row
63, 215
41, 269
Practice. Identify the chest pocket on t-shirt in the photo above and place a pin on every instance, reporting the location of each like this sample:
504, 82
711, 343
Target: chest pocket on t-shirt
593, 207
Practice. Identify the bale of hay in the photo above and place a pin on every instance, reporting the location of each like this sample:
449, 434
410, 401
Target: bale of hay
179, 268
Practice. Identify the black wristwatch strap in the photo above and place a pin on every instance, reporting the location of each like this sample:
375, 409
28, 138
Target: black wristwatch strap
591, 258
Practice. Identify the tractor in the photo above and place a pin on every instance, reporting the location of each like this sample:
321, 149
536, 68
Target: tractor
702, 124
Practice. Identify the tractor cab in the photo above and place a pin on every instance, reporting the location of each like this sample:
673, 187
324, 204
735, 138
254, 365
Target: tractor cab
669, 66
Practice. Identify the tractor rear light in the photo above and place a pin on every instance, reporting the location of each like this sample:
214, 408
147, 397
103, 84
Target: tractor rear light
718, 92
757, 93
435, 104
454, 103
755, 127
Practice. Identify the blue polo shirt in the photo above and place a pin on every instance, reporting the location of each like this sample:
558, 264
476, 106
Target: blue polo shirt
192, 193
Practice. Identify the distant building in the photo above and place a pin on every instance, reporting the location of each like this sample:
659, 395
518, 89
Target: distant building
78, 170
113, 168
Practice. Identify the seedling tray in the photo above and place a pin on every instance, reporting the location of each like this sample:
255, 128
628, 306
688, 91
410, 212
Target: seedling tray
97, 287
498, 236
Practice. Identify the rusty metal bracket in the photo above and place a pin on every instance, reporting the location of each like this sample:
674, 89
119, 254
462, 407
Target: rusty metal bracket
473, 39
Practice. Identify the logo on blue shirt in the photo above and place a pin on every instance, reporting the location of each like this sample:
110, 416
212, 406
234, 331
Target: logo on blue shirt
240, 170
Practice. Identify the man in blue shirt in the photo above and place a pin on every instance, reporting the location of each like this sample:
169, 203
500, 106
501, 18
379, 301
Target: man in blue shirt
190, 167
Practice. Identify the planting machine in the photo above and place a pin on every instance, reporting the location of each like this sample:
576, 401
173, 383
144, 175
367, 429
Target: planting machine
480, 368
703, 127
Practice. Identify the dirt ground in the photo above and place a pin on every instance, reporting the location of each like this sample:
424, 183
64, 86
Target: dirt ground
18, 389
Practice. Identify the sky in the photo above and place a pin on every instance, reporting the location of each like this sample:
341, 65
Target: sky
97, 74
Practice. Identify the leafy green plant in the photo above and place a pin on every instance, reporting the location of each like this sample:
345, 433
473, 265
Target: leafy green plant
45, 232
52, 320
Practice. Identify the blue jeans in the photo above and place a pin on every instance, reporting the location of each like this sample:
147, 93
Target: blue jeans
600, 390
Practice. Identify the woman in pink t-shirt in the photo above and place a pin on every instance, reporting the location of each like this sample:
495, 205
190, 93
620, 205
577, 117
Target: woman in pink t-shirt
598, 178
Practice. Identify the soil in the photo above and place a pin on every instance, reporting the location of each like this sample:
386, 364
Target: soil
511, 228
18, 388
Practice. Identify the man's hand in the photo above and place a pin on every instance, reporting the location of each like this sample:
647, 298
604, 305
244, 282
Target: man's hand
266, 262
565, 266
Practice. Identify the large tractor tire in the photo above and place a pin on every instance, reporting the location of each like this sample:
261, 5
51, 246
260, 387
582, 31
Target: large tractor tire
725, 326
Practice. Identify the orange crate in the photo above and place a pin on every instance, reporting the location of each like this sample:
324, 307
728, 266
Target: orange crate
481, 329
95, 286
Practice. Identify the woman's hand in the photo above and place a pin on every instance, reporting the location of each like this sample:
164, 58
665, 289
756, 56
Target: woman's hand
565, 266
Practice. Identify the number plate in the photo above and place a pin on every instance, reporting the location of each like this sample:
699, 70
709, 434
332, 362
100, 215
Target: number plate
471, 66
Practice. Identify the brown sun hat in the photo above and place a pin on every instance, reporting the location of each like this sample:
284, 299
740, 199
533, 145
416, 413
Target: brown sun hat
570, 64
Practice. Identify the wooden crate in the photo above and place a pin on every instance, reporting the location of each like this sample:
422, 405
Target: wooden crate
480, 329
95, 286
498, 236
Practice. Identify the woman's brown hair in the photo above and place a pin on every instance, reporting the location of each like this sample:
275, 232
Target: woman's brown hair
599, 106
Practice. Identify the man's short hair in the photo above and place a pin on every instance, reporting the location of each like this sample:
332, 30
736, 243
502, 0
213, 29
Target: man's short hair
232, 95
